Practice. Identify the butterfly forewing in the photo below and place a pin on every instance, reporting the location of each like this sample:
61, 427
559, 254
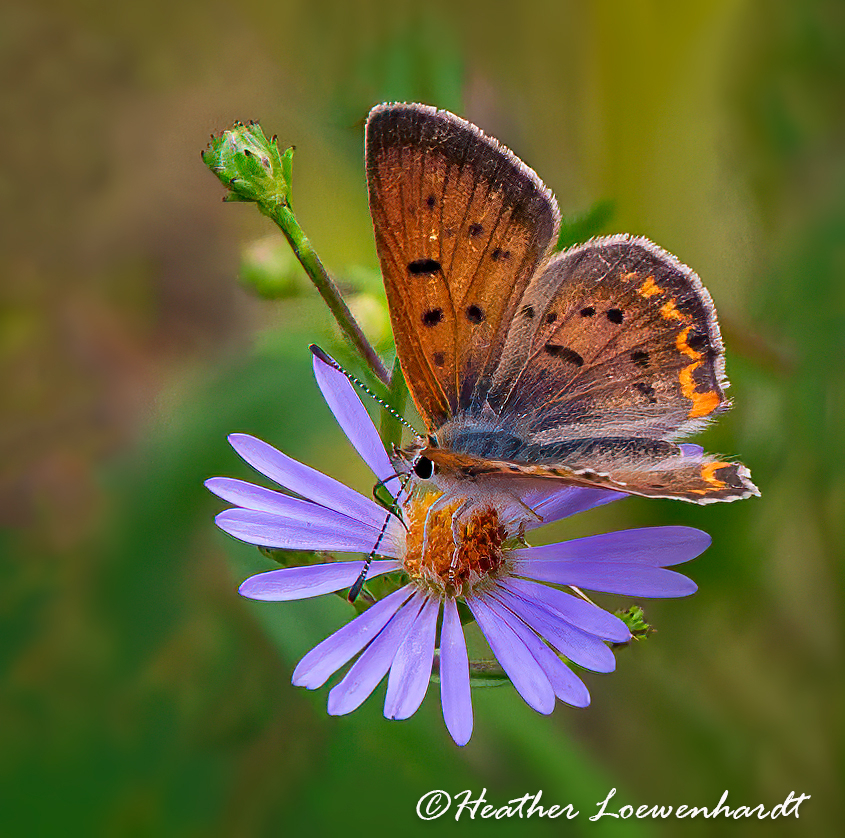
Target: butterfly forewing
461, 226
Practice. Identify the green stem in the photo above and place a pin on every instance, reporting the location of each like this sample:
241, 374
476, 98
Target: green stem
301, 246
252, 169
482, 673
390, 429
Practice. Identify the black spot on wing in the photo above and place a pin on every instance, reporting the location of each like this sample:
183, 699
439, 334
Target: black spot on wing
615, 315
647, 390
423, 266
432, 317
475, 314
640, 357
564, 353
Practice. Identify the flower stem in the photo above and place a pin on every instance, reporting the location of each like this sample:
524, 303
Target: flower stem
302, 248
252, 169
482, 673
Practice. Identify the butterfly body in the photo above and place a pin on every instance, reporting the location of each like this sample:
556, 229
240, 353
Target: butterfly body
584, 368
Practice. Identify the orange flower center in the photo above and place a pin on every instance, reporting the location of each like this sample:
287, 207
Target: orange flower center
453, 557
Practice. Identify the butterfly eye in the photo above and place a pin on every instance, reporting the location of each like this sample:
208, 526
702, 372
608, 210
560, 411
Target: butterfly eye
423, 468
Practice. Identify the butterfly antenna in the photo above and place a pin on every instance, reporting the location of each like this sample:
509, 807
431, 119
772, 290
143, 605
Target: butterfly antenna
392, 506
362, 576
327, 359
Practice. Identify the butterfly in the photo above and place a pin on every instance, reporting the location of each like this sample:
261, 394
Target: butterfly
584, 367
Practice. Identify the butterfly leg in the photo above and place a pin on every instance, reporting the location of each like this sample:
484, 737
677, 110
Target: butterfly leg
466, 504
532, 515
441, 503
392, 504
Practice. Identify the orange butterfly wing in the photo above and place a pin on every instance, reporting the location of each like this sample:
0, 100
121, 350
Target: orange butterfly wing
461, 226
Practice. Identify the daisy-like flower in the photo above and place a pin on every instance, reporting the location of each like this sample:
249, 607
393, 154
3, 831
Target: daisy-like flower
510, 589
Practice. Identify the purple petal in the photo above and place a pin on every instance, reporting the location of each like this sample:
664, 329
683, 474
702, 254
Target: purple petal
308, 581
567, 501
353, 418
689, 449
375, 660
306, 481
289, 509
454, 676
268, 530
410, 671
527, 676
568, 687
584, 649
327, 657
623, 578
249, 496
656, 546
566, 684
581, 614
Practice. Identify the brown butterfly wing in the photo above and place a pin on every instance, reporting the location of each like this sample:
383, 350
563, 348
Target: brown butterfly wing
649, 468
615, 335
658, 469
461, 226
613, 351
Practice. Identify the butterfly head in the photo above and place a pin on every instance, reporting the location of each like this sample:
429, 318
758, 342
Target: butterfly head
415, 458
423, 468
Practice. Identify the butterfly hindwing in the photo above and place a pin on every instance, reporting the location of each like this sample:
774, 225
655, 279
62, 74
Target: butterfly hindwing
461, 226
645, 467
615, 337
613, 351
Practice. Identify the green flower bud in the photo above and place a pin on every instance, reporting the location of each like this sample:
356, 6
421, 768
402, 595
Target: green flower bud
250, 165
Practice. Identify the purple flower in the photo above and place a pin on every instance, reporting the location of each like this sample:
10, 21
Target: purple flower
451, 551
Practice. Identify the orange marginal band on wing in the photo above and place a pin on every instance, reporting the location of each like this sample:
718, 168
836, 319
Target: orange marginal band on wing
702, 403
670, 311
708, 472
649, 288
684, 347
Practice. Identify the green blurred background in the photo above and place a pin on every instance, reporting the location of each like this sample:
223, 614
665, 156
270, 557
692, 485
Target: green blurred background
140, 695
